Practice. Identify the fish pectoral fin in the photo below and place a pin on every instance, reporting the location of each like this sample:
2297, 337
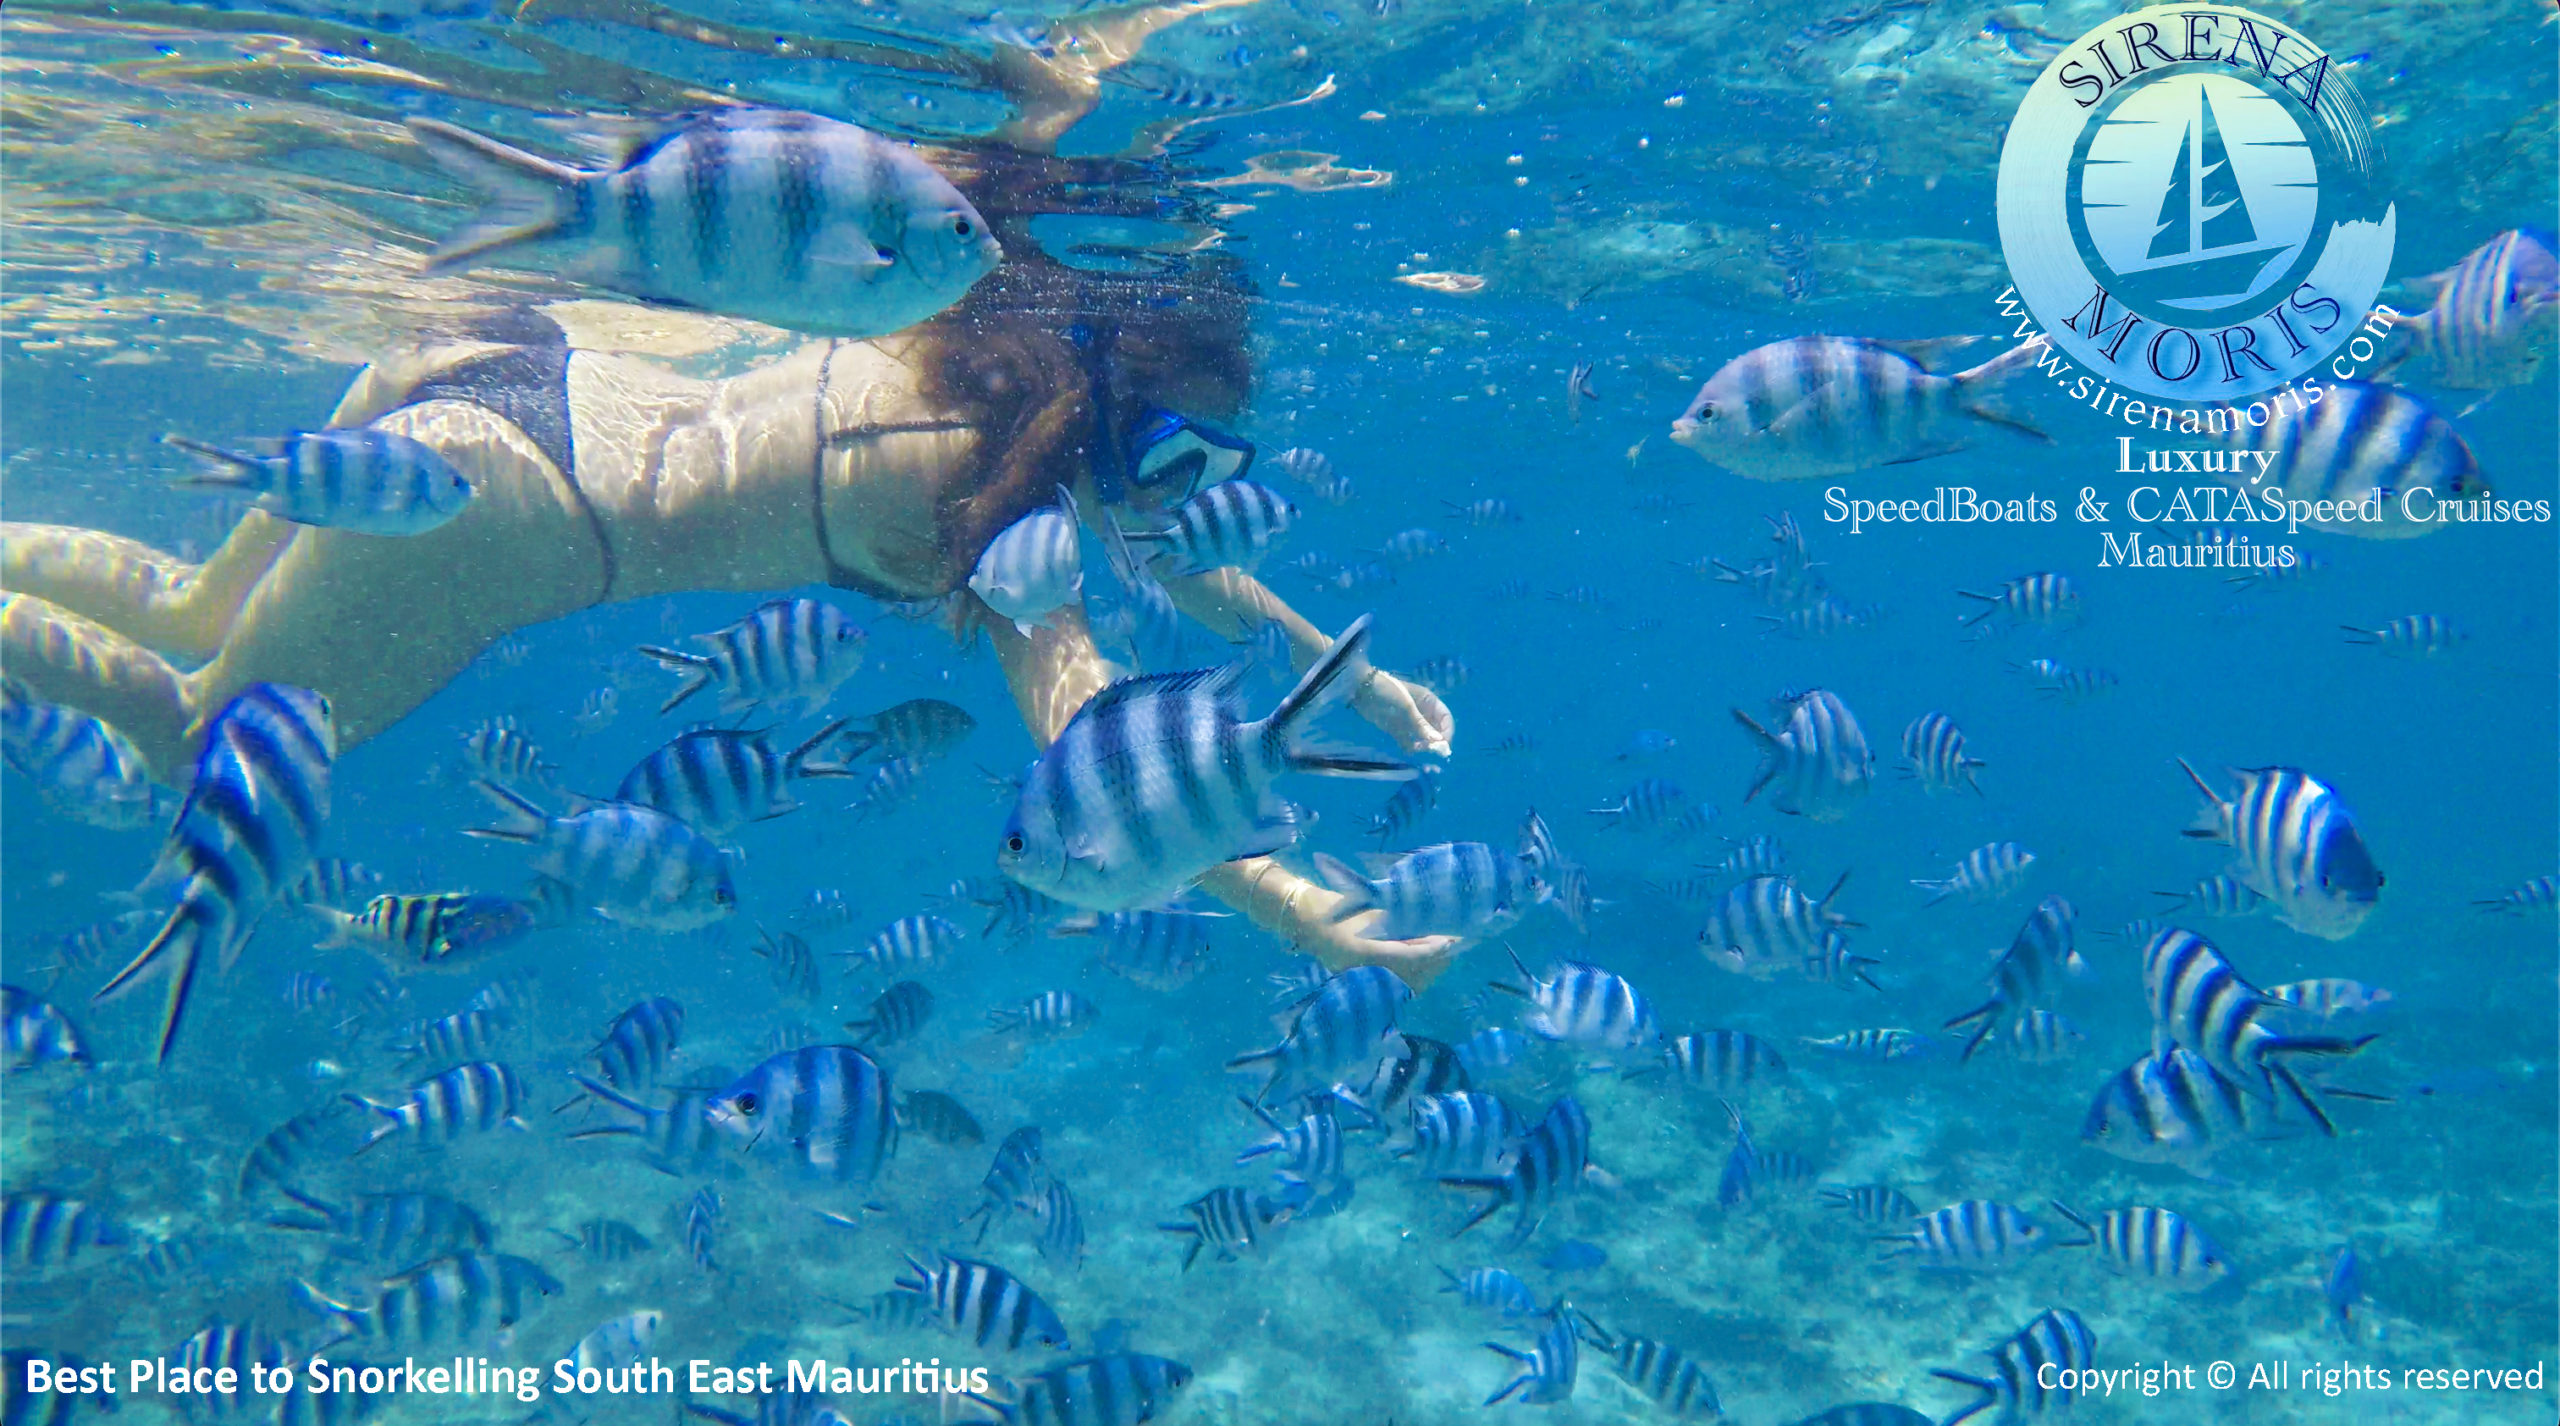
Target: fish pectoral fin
847, 248
1927, 453
1273, 833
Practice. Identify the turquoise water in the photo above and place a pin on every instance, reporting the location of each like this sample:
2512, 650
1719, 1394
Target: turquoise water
214, 220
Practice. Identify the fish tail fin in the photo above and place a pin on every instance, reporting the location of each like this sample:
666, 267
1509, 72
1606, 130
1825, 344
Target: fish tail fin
1278, 1069
2304, 1096
181, 943
1497, 1192
695, 668
1985, 1019
341, 926
2077, 1221
392, 1121
1938, 890
1357, 893
531, 196
1990, 1394
2208, 822
235, 471
1321, 686
797, 762
523, 821
343, 1314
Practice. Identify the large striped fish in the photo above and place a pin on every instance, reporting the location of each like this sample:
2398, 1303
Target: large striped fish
2034, 1372
786, 657
2490, 315
826, 1104
1765, 927
1229, 525
1819, 406
2294, 842
636, 865
1157, 779
1819, 762
783, 217
249, 829
82, 766
1550, 1162
2200, 1004
371, 482
1347, 1023
1123, 1389
2360, 443
2028, 973
720, 779
1464, 889
1033, 567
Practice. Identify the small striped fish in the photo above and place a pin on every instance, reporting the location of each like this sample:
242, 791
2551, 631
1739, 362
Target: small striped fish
448, 1299
1310, 1149
1878, 1045
1986, 873
468, 1098
1489, 511
1157, 779
1493, 1290
637, 1045
218, 1347
2044, 598
1765, 927
2410, 636
1568, 882
1033, 567
2043, 1037
1407, 806
471, 1034
793, 965
2152, 1243
82, 767
1823, 406
369, 482
785, 217
786, 657
1426, 1067
2540, 894
1585, 1006
1464, 889
1160, 950
1462, 1134
2042, 1351
395, 1228
1314, 470
1748, 1166
896, 1016
920, 729
40, 1230
986, 1305
1050, 1015
252, 822
1122, 1389
277, 1156
2362, 445
1822, 619
500, 751
1410, 546
826, 1105
939, 1117
1547, 1370
1345, 1024
1974, 1235
334, 882
2331, 998
405, 928
1818, 762
1226, 1221
675, 1139
2223, 895
1650, 803
721, 779
702, 1214
2173, 1108
1726, 1062
1935, 749
34, 1031
1873, 1203
1014, 1181
1756, 855
1548, 1163
1061, 1225
1669, 1377
909, 941
2064, 681
632, 864
2489, 315
2028, 974
1230, 525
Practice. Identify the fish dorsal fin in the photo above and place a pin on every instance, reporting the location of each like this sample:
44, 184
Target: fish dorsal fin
1927, 351
1219, 682
610, 141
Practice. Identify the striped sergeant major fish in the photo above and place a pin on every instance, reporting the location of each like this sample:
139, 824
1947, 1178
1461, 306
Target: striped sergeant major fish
2420, 636
220, 1346
1409, 804
793, 966
1226, 1221
2331, 998
1584, 1006
1662, 1373
2540, 894
702, 1213
1651, 802
939, 1117
404, 928
2173, 1108
333, 882
1872, 1203
1061, 1225
1347, 1023
1462, 1134
775, 215
1230, 525
1492, 1290
447, 1299
2222, 895
985, 1305
2044, 598
1725, 1062
1568, 881
635, 865
2069, 683
251, 825
1309, 1151
721, 779
1809, 407
2489, 317
1160, 950
1748, 1166
467, 1034
1014, 1179
618, 1343
1818, 763
2152, 1243
2043, 1037
369, 482
919, 940
40, 1230
2200, 1004
1465, 889
398, 1228
1050, 1015
2365, 448
2294, 842
501, 751
2055, 1343
1974, 1235
2028, 974
468, 1098
897, 1015
1400, 1081
1756, 855
1157, 779
1122, 1389
82, 766
1549, 1162
1764, 927
277, 1157
1934, 750
34, 1031
1986, 873
919, 730
828, 1105
785, 657
1034, 567
1548, 1368
1878, 1045
637, 1045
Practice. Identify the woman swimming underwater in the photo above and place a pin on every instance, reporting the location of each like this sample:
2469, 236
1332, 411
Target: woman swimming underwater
880, 466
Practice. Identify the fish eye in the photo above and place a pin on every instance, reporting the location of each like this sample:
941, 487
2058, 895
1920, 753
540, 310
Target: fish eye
1707, 412
962, 227
747, 1104
1013, 843
887, 254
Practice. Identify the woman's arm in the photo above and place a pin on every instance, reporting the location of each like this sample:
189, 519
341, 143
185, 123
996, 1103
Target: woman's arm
1232, 604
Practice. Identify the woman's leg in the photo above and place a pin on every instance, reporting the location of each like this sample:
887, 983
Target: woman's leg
127, 586
63, 657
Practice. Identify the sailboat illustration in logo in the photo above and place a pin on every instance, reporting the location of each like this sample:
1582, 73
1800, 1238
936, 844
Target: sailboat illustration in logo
2203, 244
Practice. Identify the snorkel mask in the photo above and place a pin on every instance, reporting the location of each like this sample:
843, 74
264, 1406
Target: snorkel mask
1163, 453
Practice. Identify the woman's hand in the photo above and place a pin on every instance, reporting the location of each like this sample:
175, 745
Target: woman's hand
1300, 912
